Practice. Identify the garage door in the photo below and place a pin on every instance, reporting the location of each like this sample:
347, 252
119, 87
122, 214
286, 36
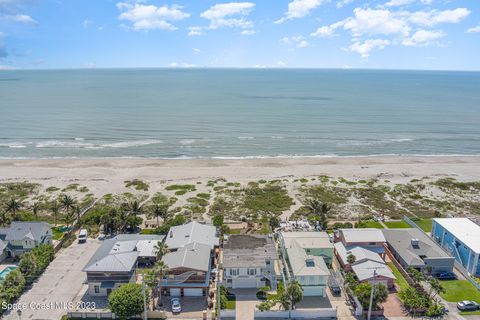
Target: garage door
193, 292
313, 291
244, 283
175, 292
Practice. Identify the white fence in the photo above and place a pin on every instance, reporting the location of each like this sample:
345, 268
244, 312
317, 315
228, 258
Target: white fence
324, 313
91, 315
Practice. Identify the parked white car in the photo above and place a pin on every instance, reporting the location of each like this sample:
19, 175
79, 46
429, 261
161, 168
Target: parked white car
176, 305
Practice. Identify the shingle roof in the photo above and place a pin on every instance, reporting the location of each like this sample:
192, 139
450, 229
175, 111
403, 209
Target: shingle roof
401, 241
248, 251
365, 270
464, 230
180, 236
363, 235
303, 264
360, 253
194, 256
20, 230
119, 254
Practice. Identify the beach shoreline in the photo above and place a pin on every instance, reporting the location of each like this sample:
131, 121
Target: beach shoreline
109, 174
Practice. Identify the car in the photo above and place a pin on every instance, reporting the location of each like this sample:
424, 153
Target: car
446, 276
468, 305
334, 287
82, 236
176, 305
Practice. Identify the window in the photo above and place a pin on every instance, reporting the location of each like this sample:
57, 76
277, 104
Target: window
97, 289
234, 272
252, 272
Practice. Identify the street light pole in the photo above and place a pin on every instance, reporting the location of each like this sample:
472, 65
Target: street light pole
371, 294
144, 297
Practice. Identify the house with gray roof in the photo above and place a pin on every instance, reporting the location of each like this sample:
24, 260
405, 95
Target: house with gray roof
21, 237
115, 262
249, 261
413, 248
192, 232
189, 271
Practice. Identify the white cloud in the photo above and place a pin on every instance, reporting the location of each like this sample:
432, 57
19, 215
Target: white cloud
342, 3
229, 15
434, 17
297, 41
299, 9
196, 51
87, 23
397, 3
195, 31
375, 22
181, 65
280, 63
474, 30
147, 17
21, 18
248, 32
423, 38
327, 31
364, 48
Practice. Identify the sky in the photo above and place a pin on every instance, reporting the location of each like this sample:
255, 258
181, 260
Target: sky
380, 34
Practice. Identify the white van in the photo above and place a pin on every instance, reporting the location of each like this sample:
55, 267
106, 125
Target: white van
82, 236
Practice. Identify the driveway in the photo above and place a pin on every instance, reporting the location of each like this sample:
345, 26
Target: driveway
246, 303
60, 283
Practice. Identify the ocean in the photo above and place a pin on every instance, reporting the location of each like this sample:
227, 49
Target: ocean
237, 113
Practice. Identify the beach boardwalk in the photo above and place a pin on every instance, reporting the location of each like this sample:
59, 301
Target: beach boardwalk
58, 285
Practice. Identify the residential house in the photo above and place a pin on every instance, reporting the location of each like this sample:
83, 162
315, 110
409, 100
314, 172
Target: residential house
21, 237
367, 246
3, 250
117, 259
369, 238
249, 261
314, 243
413, 248
192, 252
189, 270
304, 256
460, 237
192, 232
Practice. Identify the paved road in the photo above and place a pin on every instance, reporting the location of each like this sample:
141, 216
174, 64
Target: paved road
59, 283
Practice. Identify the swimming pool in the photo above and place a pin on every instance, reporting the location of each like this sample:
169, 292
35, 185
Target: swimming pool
5, 272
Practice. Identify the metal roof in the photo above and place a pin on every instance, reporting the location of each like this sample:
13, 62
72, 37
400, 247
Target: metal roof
361, 254
194, 256
308, 240
19, 230
303, 264
363, 235
180, 236
464, 230
364, 271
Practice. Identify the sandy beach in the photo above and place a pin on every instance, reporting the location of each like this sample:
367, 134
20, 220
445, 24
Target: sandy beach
103, 176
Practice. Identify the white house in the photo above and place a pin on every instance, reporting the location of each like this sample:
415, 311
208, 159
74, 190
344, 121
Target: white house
21, 237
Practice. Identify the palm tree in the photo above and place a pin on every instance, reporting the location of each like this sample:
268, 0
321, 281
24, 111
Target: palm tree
161, 248
4, 218
69, 218
435, 287
351, 259
78, 212
55, 207
35, 208
319, 209
67, 202
13, 206
161, 270
160, 211
135, 208
416, 275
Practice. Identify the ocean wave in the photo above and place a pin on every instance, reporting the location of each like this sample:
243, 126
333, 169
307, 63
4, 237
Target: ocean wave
187, 141
245, 138
360, 143
13, 145
81, 144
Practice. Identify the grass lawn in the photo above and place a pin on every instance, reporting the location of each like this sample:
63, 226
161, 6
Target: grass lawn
235, 231
402, 283
369, 224
470, 313
147, 231
397, 224
425, 224
57, 234
458, 290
